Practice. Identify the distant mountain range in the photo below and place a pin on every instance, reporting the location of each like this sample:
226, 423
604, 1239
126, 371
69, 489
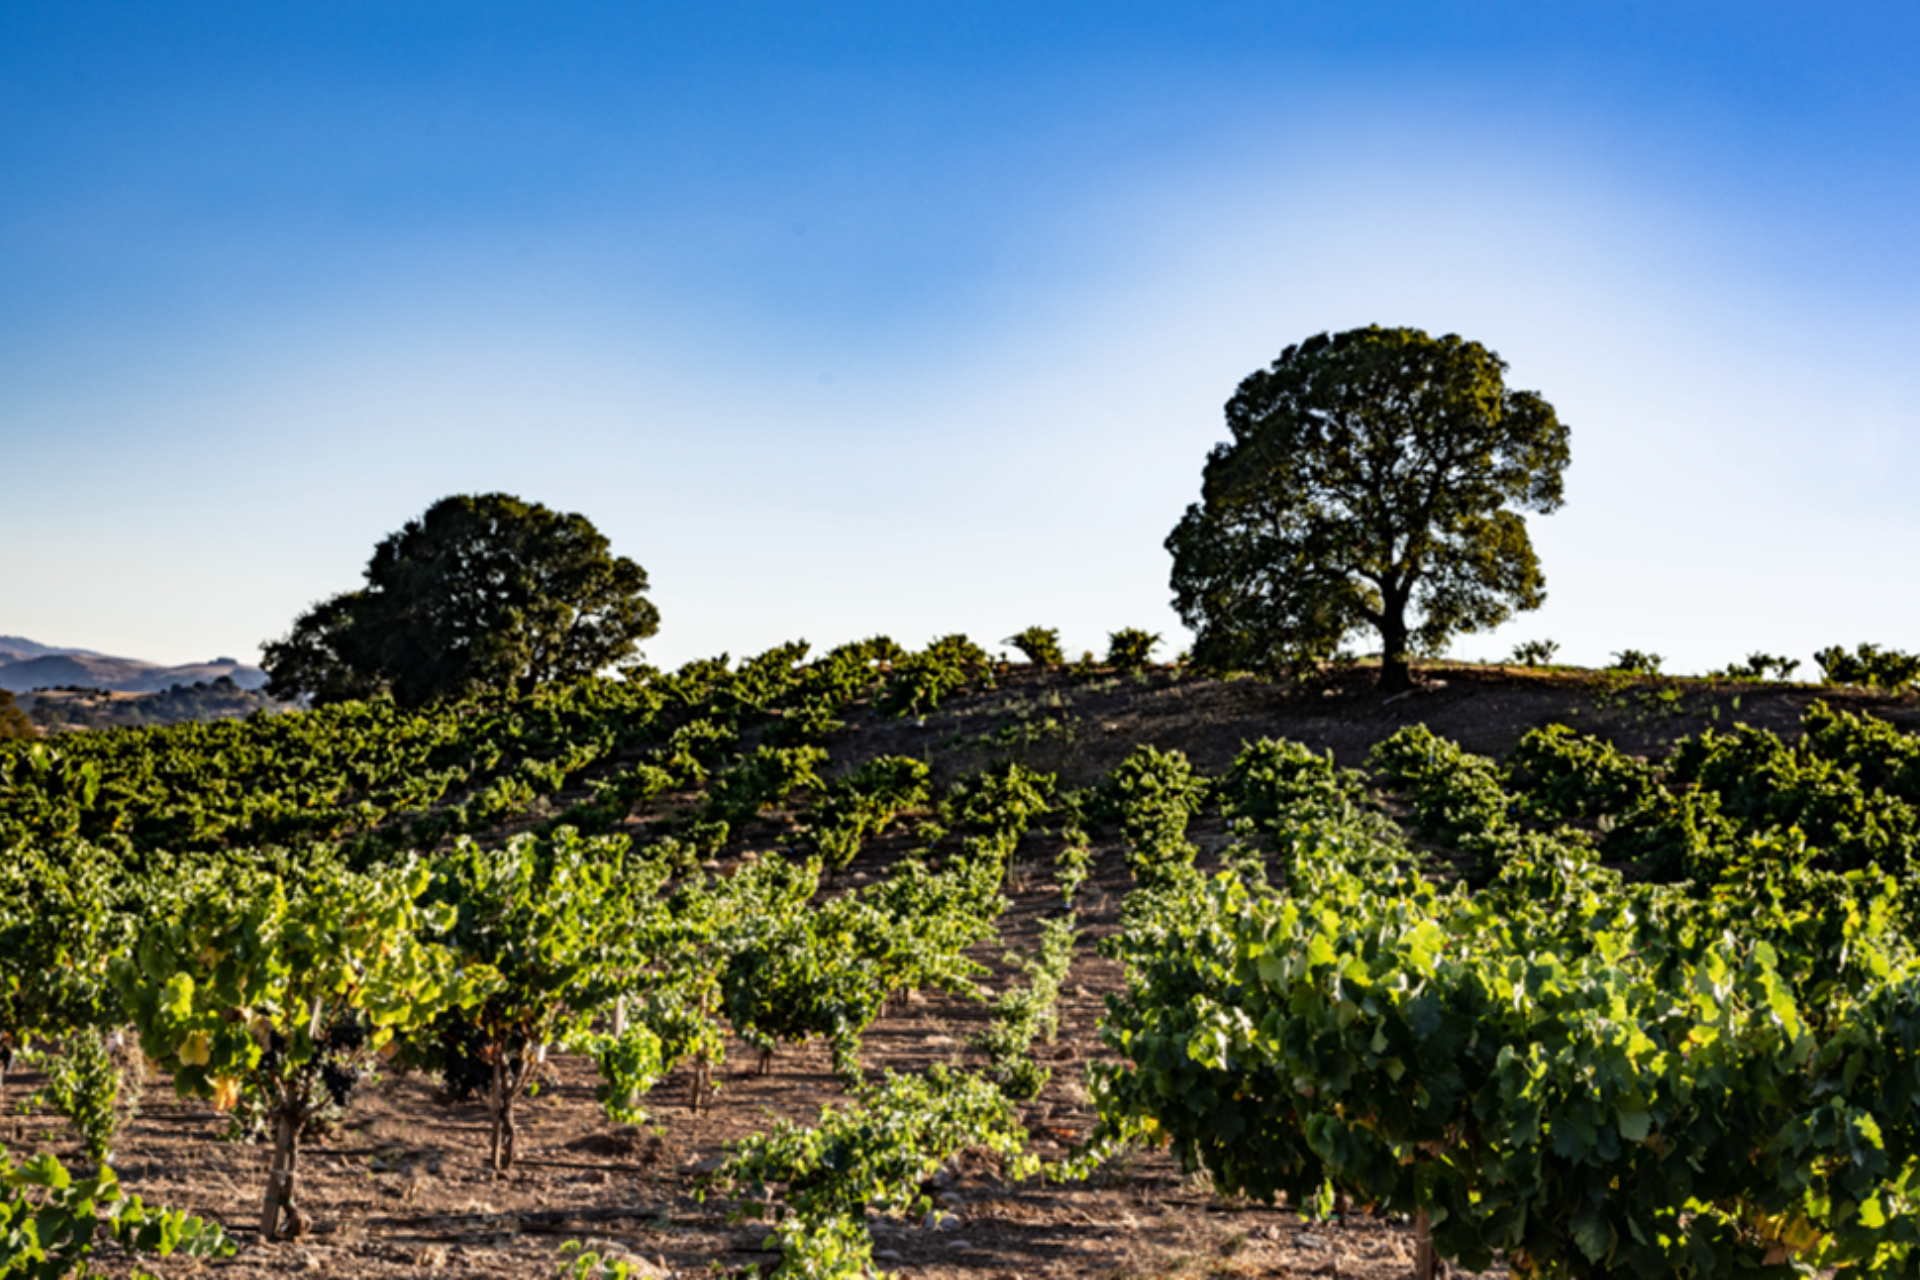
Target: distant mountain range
26, 665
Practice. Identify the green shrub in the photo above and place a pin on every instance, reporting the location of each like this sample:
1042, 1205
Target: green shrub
694, 749
1275, 783
1155, 794
1535, 653
878, 649
1634, 662
1456, 795
1869, 665
1024, 1014
1881, 756
1767, 785
920, 680
1459, 800
85, 1085
1674, 836
874, 1150
1129, 647
1564, 776
49, 1220
861, 804
761, 779
1004, 798
1758, 666
1040, 646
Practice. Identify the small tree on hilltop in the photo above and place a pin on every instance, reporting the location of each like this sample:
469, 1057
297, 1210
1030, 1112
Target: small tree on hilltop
1374, 481
481, 592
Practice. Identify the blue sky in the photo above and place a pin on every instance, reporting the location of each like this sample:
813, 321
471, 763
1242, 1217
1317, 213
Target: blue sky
911, 318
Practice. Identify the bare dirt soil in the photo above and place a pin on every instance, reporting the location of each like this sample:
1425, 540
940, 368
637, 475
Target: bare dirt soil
401, 1188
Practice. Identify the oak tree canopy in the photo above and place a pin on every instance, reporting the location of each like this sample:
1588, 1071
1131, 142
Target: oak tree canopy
1375, 481
482, 592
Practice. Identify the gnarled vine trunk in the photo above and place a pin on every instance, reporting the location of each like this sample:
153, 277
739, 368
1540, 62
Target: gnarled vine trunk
500, 1098
702, 1063
280, 1173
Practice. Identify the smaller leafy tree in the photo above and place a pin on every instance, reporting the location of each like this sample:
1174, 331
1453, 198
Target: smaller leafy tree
555, 921
251, 990
1040, 646
324, 657
480, 592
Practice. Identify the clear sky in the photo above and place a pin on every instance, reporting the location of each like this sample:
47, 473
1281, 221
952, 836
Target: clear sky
849, 318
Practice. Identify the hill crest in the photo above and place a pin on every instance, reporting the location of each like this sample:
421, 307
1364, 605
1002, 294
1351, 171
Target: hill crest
26, 665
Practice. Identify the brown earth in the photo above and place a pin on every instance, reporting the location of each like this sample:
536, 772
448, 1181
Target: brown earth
401, 1188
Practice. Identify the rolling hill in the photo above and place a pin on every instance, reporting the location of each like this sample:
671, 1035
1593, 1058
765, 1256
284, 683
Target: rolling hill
26, 665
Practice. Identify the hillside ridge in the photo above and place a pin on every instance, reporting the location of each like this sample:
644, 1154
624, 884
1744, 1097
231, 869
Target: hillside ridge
27, 665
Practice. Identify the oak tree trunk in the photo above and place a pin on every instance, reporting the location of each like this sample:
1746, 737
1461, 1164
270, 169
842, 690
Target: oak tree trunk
1396, 670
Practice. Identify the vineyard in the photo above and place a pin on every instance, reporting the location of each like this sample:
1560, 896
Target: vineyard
920, 962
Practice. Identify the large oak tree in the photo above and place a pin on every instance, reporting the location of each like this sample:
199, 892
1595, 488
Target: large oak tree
481, 592
1375, 482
